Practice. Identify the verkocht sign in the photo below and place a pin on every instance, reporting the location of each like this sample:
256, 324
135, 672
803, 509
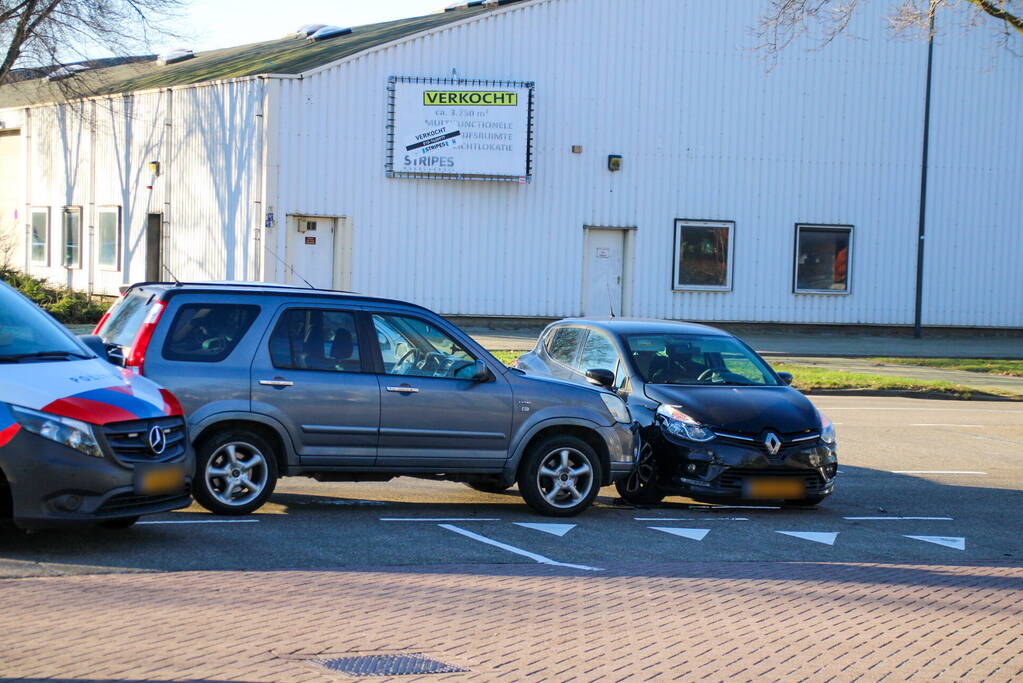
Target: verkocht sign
453, 128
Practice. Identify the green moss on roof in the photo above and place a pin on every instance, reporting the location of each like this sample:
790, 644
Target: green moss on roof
284, 56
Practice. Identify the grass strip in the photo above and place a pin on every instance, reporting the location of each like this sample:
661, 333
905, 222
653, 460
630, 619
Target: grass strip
1009, 368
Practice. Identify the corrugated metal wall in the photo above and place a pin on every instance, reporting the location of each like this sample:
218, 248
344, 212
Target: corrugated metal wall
206, 141
826, 137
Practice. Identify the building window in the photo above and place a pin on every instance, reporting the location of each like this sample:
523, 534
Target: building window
72, 237
41, 237
703, 255
109, 237
823, 259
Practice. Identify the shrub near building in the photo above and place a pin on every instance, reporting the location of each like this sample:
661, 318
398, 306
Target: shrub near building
66, 305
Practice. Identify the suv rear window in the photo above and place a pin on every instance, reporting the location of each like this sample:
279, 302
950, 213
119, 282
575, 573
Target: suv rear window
207, 333
126, 318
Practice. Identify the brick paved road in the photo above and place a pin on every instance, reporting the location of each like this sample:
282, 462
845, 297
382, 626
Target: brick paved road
694, 621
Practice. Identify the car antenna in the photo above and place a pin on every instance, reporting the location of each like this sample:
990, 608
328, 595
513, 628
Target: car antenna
290, 268
177, 282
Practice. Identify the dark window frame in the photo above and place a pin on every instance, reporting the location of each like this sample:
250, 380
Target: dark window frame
823, 227
45, 262
676, 274
65, 211
213, 359
118, 231
366, 343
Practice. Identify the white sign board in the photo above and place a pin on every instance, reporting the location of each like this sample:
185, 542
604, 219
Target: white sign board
459, 129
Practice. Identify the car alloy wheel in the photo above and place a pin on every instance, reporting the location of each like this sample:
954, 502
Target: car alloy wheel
564, 477
236, 474
640, 487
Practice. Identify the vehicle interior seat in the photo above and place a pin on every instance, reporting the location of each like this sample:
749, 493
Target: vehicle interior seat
341, 350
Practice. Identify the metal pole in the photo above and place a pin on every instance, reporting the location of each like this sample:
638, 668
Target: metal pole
917, 324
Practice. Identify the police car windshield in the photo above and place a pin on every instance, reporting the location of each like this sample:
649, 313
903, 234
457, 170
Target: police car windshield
695, 359
27, 334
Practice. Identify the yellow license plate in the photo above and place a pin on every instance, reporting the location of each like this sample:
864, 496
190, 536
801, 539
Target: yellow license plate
775, 489
161, 480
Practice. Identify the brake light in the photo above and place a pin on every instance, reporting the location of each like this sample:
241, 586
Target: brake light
137, 354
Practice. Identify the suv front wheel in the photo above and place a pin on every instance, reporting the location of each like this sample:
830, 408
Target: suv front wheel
235, 472
561, 476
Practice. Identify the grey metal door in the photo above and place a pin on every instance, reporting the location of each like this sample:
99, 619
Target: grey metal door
154, 247
431, 415
310, 376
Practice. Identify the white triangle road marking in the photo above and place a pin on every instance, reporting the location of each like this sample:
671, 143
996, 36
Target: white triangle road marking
956, 542
825, 537
694, 534
554, 529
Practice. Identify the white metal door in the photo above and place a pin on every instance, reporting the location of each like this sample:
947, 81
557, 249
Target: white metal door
11, 172
310, 252
603, 271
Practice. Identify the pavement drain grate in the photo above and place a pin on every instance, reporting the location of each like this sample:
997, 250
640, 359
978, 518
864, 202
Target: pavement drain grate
410, 664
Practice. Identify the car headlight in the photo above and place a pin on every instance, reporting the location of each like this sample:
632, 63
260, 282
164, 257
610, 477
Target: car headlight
616, 406
682, 425
827, 430
64, 430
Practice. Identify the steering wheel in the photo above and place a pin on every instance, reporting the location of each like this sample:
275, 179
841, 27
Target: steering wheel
401, 367
707, 374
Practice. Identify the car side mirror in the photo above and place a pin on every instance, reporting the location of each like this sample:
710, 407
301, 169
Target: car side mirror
482, 373
785, 377
601, 378
96, 345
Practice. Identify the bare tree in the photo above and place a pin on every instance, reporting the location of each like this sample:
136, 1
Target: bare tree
824, 20
58, 33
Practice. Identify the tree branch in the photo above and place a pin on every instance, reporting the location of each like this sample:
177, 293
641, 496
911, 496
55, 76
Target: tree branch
1000, 13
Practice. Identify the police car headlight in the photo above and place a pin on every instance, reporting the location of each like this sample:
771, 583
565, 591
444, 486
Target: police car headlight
64, 430
676, 422
616, 406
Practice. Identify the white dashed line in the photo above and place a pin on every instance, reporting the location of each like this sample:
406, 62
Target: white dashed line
825, 537
518, 551
934, 472
200, 521
552, 529
942, 519
440, 519
954, 542
691, 519
926, 424
693, 534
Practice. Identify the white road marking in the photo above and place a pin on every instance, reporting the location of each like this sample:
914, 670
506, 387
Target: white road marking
691, 519
825, 537
925, 410
934, 472
200, 521
954, 542
694, 534
943, 519
936, 424
439, 519
734, 507
553, 529
518, 551
345, 501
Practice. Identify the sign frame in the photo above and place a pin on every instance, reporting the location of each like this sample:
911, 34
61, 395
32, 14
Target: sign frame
390, 170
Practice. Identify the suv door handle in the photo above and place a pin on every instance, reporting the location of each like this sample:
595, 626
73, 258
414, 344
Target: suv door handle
404, 390
276, 383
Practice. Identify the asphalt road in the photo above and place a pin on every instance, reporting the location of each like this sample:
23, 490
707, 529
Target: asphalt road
922, 482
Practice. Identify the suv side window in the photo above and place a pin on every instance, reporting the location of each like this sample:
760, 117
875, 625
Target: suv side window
598, 353
316, 339
416, 348
207, 333
563, 344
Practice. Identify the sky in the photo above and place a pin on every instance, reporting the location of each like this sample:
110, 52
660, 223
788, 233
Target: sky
209, 24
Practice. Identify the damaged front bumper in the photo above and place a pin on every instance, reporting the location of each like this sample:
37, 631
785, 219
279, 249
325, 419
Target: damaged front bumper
735, 468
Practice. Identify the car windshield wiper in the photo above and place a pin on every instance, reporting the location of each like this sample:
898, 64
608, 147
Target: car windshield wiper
40, 355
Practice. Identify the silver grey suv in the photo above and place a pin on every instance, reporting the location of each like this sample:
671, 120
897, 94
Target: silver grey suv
280, 381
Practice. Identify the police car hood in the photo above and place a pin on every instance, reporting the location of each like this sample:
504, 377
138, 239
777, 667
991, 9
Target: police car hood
89, 390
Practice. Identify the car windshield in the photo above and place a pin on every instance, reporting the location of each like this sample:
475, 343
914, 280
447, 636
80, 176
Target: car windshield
696, 359
28, 334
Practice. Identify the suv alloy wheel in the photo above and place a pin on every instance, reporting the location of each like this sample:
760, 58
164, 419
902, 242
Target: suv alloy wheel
561, 476
236, 471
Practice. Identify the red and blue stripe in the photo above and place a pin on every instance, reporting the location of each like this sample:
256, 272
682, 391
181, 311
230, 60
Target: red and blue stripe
8, 427
112, 404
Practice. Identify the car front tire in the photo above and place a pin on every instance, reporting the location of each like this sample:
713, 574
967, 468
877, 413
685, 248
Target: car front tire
235, 472
640, 487
561, 476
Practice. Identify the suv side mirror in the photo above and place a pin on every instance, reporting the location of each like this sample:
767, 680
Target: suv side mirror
96, 345
601, 377
481, 373
786, 377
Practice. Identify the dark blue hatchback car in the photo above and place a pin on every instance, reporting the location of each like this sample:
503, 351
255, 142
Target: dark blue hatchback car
717, 422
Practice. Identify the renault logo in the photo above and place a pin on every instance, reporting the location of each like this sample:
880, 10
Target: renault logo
772, 443
157, 440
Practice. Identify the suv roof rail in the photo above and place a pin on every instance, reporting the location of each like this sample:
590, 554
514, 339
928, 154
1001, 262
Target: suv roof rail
231, 283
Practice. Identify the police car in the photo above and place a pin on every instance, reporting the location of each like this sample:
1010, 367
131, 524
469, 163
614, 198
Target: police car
81, 440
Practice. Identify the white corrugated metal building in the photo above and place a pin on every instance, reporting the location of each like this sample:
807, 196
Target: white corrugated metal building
790, 195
